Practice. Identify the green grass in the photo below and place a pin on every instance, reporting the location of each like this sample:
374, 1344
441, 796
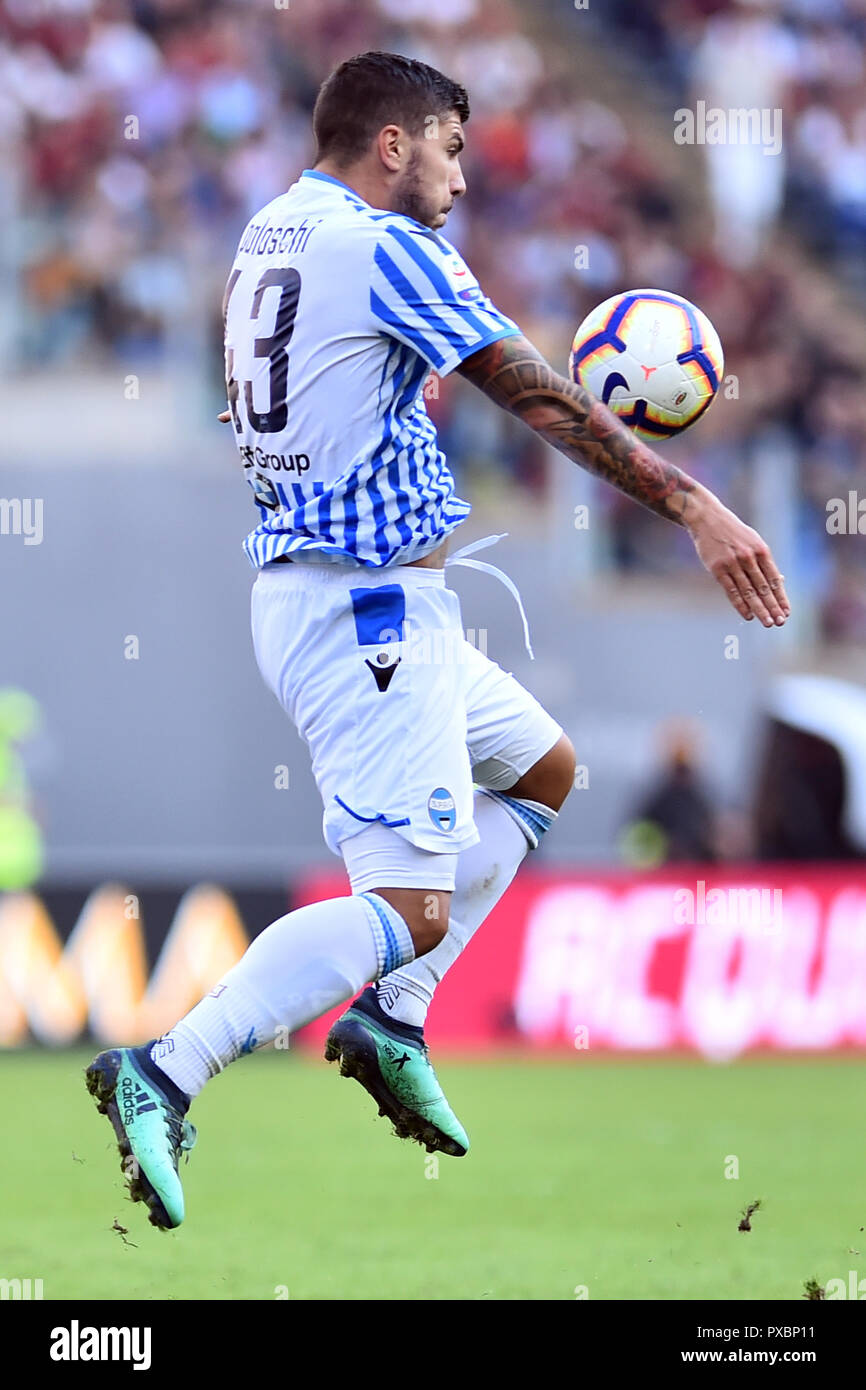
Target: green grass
602, 1173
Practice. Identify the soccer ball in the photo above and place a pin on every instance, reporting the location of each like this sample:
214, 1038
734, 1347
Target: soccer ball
652, 357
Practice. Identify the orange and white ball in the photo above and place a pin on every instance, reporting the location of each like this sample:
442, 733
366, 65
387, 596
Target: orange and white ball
652, 357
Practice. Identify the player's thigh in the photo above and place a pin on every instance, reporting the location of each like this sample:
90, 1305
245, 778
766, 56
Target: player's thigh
416, 882
508, 731
551, 778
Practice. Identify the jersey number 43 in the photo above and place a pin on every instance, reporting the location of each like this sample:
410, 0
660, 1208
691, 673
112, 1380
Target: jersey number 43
273, 347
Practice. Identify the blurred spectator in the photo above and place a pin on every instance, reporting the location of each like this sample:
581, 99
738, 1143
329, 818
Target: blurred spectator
674, 821
20, 835
810, 796
745, 61
800, 798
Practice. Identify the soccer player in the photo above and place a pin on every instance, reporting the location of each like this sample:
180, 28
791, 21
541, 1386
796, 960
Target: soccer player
438, 771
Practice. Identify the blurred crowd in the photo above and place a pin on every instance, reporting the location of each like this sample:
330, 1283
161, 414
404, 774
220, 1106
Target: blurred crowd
137, 137
784, 226
806, 58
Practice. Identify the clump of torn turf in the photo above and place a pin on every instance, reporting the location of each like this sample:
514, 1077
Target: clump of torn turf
813, 1289
747, 1214
123, 1233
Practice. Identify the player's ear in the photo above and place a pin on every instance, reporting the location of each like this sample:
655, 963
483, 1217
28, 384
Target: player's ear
392, 144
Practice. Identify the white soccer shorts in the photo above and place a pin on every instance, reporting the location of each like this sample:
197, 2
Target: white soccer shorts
400, 712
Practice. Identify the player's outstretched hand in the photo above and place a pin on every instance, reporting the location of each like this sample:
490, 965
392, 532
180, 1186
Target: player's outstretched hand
224, 417
740, 560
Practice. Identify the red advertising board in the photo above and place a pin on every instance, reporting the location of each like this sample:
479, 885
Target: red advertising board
715, 961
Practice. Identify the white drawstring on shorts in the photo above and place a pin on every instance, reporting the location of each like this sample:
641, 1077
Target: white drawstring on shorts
460, 558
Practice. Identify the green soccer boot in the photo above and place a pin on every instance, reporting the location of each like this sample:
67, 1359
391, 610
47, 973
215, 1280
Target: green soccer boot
147, 1112
390, 1060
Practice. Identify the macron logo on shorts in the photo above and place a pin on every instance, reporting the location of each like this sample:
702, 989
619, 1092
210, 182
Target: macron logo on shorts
379, 616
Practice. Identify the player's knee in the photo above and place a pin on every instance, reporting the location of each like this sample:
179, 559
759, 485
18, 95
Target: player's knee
425, 914
564, 766
430, 926
551, 778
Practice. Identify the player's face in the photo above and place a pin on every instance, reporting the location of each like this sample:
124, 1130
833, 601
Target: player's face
432, 178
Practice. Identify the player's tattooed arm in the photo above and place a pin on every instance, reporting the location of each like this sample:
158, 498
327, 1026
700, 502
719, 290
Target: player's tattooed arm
515, 375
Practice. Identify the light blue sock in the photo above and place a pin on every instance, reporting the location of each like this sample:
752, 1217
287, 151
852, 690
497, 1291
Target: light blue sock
533, 818
484, 871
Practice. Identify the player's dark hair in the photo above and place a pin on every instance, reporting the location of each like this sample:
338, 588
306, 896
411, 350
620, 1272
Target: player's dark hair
374, 90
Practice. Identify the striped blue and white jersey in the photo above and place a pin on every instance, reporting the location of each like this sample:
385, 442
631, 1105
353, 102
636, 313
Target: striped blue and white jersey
335, 313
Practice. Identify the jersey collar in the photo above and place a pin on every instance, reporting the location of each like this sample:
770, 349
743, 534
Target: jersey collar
328, 178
